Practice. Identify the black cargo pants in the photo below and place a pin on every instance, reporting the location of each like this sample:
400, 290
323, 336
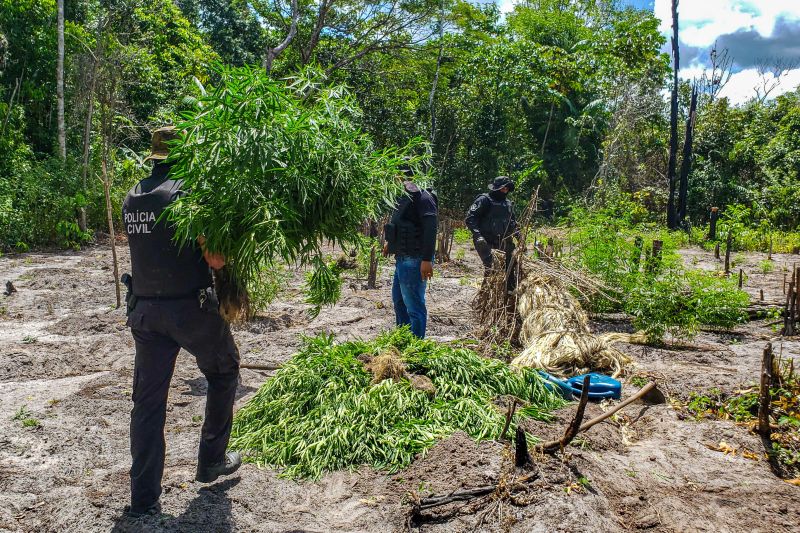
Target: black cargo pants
161, 328
507, 246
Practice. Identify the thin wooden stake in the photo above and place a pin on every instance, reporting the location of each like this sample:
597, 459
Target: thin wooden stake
741, 277
728, 243
716, 251
788, 321
761, 294
764, 394
509, 416
521, 455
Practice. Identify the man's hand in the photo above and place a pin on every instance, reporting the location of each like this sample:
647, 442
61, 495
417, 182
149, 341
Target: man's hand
385, 250
215, 261
426, 269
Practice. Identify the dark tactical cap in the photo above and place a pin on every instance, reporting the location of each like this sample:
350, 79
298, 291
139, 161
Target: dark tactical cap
500, 182
159, 144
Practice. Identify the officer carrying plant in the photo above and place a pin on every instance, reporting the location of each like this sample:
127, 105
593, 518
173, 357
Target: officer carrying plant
172, 305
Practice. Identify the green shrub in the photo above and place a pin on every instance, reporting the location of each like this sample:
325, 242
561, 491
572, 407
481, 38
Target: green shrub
462, 236
662, 299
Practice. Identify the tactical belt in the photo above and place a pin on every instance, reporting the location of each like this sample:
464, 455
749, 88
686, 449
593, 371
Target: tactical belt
191, 296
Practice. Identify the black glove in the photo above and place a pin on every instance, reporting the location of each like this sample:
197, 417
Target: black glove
484, 251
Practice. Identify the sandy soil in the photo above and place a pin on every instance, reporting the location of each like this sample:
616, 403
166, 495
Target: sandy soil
66, 356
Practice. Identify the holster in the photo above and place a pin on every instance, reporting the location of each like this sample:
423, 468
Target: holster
130, 298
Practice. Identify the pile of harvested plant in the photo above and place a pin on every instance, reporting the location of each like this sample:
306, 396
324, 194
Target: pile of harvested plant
340, 405
546, 319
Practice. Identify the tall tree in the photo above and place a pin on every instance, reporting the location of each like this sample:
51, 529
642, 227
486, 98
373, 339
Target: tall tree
673, 122
62, 129
686, 163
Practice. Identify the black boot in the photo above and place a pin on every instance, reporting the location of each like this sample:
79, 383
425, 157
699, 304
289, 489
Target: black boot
231, 463
135, 512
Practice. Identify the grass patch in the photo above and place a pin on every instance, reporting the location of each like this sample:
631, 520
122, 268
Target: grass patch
742, 407
321, 412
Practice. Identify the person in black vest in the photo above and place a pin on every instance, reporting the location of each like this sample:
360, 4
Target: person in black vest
491, 221
172, 305
411, 237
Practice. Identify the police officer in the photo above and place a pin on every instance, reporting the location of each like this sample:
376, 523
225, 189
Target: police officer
492, 223
171, 305
411, 237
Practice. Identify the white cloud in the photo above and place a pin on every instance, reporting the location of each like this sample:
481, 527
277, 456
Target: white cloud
702, 21
741, 87
506, 6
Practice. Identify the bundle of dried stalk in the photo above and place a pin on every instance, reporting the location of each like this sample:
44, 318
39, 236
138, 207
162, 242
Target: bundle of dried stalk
544, 317
556, 335
495, 307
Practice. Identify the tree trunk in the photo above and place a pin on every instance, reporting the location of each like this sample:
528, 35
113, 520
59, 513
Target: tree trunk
673, 122
87, 134
686, 164
62, 130
435, 84
106, 119
272, 53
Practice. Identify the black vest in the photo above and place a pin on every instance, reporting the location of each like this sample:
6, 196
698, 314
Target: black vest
404, 230
159, 267
495, 225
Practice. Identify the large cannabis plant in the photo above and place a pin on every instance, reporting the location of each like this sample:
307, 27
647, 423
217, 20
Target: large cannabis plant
275, 168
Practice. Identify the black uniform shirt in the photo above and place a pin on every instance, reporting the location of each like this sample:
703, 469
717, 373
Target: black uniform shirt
423, 213
160, 267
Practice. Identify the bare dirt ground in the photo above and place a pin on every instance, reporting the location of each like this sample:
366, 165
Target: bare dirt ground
67, 358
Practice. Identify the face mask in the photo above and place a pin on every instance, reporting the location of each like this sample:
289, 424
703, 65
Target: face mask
498, 195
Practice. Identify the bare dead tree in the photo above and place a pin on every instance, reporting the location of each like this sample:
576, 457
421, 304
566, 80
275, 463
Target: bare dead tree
771, 71
435, 84
673, 121
715, 79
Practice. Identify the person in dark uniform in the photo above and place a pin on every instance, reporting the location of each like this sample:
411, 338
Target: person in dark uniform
172, 305
411, 237
491, 221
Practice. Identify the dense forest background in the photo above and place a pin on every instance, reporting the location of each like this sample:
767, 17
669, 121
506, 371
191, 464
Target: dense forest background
570, 96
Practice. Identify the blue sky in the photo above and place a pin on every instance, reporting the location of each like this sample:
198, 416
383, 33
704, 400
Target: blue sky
753, 32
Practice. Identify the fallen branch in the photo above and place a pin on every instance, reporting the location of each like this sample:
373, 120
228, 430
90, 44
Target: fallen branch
424, 504
573, 429
643, 391
251, 366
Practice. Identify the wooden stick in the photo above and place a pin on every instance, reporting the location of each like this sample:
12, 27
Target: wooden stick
468, 494
574, 428
741, 278
509, 415
716, 251
644, 390
764, 394
728, 244
787, 322
251, 366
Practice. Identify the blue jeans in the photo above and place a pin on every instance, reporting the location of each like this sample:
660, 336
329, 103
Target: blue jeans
408, 295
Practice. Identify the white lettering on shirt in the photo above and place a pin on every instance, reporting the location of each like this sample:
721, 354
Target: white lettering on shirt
139, 222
